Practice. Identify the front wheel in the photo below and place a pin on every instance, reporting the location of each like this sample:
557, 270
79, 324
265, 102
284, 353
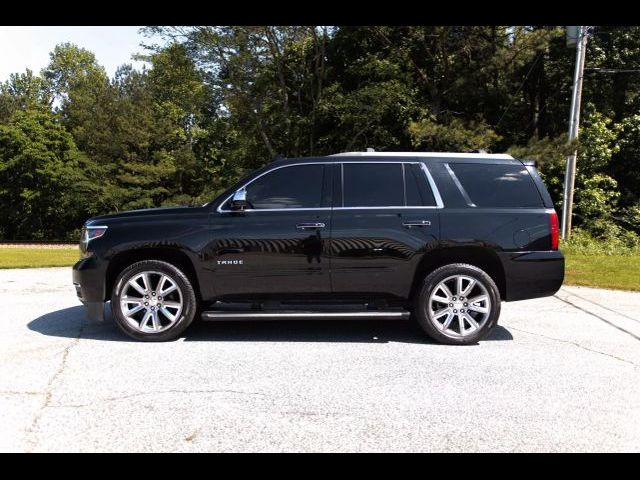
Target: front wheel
458, 304
153, 301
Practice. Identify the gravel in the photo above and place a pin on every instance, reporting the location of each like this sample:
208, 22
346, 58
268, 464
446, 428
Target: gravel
558, 374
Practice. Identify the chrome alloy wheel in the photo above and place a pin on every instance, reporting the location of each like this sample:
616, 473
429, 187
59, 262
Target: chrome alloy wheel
151, 302
459, 306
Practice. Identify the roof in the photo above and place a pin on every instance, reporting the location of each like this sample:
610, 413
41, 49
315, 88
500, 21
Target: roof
493, 156
449, 157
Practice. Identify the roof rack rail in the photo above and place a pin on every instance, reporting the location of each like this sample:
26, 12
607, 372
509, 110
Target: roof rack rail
503, 156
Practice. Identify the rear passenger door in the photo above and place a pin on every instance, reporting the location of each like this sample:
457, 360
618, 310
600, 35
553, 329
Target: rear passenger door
384, 219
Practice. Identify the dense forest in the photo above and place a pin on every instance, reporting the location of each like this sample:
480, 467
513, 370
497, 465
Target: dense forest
215, 102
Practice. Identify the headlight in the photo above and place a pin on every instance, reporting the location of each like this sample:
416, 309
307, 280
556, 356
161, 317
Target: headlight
90, 233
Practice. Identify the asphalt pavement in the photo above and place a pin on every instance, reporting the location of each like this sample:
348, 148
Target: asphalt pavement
558, 374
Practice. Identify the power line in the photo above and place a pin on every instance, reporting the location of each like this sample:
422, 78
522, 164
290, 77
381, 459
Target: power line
612, 70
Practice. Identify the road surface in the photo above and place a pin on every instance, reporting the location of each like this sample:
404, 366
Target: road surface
559, 374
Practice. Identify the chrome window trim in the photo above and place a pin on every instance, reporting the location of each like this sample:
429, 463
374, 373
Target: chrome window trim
279, 209
404, 184
220, 210
455, 179
364, 162
432, 184
425, 170
341, 184
387, 208
334, 208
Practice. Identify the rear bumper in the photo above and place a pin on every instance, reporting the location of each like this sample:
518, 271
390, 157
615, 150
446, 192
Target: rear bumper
88, 280
532, 274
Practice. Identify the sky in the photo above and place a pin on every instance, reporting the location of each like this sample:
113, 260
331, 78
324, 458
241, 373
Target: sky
29, 47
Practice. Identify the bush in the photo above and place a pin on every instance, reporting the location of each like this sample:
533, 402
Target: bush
611, 240
631, 217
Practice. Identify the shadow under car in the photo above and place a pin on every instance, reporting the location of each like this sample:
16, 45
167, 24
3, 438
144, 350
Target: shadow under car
72, 323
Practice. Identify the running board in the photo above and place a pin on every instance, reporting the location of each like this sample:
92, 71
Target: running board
274, 315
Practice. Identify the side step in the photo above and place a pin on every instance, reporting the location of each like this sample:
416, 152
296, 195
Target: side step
213, 315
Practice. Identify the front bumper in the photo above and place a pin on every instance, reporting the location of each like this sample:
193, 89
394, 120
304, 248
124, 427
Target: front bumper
532, 274
88, 280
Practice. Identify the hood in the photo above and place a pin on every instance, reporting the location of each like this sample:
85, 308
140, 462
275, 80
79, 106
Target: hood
144, 212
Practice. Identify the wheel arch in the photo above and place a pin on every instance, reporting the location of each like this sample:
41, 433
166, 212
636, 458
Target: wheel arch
174, 256
484, 258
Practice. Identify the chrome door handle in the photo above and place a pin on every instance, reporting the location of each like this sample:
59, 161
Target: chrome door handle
417, 223
306, 226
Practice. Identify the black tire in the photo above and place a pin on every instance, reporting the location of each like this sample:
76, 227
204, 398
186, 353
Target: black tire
187, 295
432, 281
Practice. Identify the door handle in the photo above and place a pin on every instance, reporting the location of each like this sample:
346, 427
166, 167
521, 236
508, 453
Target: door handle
222, 251
307, 226
417, 223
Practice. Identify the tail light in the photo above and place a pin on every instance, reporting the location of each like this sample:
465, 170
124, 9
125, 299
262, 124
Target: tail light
555, 230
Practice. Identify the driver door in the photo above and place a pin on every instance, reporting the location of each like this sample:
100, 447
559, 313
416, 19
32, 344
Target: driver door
279, 242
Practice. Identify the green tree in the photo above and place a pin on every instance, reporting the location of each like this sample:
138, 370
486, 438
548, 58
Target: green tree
182, 95
616, 93
596, 192
269, 81
625, 166
70, 69
427, 134
214, 102
22, 91
42, 187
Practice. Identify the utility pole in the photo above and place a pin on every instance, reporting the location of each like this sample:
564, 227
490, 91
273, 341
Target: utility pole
574, 123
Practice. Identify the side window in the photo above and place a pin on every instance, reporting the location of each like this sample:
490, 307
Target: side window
298, 186
490, 185
418, 189
373, 185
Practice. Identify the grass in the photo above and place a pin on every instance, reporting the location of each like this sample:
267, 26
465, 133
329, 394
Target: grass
38, 257
620, 272
611, 262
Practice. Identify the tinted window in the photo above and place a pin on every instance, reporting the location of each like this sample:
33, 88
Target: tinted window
373, 185
497, 185
289, 187
418, 189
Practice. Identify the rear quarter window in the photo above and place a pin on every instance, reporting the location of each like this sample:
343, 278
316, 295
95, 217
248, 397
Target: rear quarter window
489, 185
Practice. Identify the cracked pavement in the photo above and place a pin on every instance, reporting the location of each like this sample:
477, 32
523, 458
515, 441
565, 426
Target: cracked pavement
559, 374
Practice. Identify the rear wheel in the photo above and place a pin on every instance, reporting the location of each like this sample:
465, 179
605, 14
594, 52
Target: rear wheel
458, 304
153, 301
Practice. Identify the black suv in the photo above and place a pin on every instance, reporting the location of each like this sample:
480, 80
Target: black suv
441, 237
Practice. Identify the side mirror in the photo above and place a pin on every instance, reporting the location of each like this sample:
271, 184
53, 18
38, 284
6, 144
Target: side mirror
239, 200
